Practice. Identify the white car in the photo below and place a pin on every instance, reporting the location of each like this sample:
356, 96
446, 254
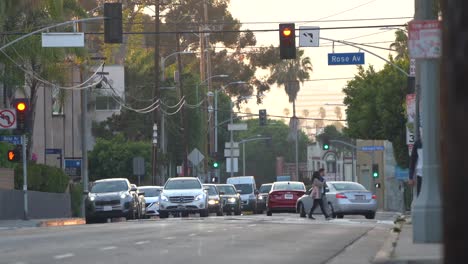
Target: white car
152, 199
184, 195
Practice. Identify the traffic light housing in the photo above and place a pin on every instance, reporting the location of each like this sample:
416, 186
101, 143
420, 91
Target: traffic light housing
287, 37
21, 106
14, 155
113, 23
326, 144
375, 170
262, 117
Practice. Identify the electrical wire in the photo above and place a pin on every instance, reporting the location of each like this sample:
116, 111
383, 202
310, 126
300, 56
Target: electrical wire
195, 105
119, 100
173, 113
176, 105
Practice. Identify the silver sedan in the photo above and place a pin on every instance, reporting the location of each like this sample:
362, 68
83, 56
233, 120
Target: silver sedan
342, 198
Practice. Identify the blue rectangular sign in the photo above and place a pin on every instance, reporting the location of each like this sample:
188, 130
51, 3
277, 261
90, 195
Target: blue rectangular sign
283, 178
15, 140
355, 58
50, 151
73, 167
401, 174
372, 148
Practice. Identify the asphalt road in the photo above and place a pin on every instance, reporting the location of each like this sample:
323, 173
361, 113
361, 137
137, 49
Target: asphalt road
283, 238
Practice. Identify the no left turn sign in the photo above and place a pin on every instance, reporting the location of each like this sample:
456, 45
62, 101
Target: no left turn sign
7, 119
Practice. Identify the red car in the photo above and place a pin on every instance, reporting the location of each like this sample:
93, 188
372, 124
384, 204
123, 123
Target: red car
283, 196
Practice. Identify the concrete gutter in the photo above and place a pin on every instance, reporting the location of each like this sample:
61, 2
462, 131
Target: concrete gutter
385, 254
61, 222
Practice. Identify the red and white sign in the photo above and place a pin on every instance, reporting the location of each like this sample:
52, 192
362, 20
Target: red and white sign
425, 37
411, 117
7, 118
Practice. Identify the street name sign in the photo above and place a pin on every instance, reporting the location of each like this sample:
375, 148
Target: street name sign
237, 127
15, 140
63, 40
309, 36
356, 58
52, 151
372, 148
235, 152
7, 118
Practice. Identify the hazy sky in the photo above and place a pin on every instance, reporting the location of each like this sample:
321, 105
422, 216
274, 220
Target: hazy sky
266, 14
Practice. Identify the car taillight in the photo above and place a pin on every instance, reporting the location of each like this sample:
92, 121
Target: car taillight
340, 196
374, 196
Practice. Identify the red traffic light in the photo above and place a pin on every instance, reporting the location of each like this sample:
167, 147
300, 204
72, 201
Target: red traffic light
11, 155
21, 106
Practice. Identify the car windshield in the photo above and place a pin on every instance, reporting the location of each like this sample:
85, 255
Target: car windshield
109, 186
212, 190
348, 186
265, 188
290, 186
182, 185
227, 190
151, 192
244, 188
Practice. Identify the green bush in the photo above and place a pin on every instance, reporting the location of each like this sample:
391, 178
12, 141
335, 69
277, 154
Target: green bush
42, 178
76, 197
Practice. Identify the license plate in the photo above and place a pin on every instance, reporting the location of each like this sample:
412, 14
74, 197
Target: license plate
360, 197
107, 208
288, 196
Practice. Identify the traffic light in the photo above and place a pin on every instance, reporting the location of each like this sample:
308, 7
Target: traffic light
378, 185
113, 23
14, 155
326, 144
22, 109
375, 170
262, 117
287, 37
215, 164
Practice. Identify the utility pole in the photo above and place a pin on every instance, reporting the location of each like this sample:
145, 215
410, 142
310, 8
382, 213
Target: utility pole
427, 209
454, 130
231, 135
156, 94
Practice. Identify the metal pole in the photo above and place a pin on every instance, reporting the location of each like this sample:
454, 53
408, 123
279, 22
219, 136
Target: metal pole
216, 121
243, 157
156, 92
84, 146
25, 177
232, 142
427, 209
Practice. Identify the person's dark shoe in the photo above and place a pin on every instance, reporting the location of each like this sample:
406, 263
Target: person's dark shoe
311, 217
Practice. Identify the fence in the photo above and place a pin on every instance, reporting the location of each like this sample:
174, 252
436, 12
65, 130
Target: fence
40, 205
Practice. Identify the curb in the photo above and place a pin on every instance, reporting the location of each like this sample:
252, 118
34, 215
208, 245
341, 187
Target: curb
385, 254
62, 222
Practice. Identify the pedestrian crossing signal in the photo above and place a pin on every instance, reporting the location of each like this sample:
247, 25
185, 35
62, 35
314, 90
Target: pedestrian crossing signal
14, 155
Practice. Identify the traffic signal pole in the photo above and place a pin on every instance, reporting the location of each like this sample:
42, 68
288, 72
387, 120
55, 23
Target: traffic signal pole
25, 177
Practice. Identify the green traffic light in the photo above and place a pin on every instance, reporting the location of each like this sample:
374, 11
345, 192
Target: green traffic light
375, 175
215, 165
326, 147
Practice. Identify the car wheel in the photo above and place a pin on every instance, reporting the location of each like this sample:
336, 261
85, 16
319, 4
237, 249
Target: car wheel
269, 213
332, 211
163, 215
238, 212
204, 213
302, 212
339, 216
370, 215
90, 220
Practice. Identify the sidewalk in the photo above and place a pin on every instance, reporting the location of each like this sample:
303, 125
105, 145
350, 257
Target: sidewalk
400, 249
13, 224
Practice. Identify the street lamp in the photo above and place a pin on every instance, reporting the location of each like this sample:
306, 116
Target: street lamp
254, 138
163, 61
214, 76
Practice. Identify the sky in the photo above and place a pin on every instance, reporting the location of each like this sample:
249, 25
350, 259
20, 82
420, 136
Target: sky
255, 14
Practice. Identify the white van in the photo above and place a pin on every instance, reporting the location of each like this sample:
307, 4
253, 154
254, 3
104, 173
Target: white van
247, 188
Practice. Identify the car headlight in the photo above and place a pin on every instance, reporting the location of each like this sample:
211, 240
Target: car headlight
212, 202
92, 198
124, 195
260, 197
199, 197
232, 200
164, 198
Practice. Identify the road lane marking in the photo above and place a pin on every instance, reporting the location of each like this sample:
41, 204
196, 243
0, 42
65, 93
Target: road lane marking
209, 231
252, 225
191, 235
107, 248
142, 242
64, 256
168, 238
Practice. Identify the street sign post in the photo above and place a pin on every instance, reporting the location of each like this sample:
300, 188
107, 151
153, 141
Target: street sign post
195, 157
356, 58
235, 167
231, 152
138, 167
237, 127
7, 118
309, 36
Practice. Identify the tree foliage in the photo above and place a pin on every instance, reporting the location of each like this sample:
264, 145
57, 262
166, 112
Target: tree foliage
376, 108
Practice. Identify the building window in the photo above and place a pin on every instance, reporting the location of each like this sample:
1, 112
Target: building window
104, 102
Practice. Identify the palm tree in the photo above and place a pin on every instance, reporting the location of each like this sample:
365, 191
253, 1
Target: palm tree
338, 112
288, 73
401, 44
322, 112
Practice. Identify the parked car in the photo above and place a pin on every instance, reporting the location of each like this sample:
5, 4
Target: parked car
214, 201
262, 197
248, 191
152, 199
343, 198
141, 202
183, 195
111, 198
230, 199
283, 196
